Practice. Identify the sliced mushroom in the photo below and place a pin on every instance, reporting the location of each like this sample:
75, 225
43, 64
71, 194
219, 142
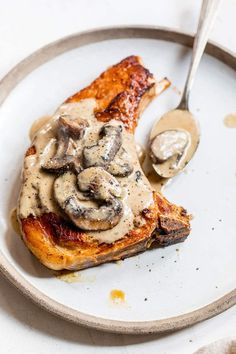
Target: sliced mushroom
122, 165
105, 150
168, 144
75, 128
94, 219
167, 150
103, 189
63, 160
99, 183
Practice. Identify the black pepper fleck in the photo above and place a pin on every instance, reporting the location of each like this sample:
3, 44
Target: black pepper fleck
145, 299
197, 268
137, 176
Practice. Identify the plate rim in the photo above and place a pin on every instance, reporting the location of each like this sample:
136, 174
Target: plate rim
7, 84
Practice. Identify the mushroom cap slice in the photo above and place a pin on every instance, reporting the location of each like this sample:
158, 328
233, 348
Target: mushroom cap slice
74, 128
168, 150
59, 164
99, 183
95, 219
63, 160
122, 165
106, 210
106, 149
167, 144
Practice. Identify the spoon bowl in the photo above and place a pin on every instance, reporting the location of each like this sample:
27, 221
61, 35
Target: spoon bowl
179, 120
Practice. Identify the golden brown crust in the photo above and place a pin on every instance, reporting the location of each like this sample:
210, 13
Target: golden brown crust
173, 223
121, 93
59, 245
119, 90
30, 151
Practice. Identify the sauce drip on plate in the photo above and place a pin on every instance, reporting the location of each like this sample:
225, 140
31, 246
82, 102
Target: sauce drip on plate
230, 120
117, 296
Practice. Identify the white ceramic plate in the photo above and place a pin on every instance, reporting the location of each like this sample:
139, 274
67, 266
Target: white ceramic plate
165, 289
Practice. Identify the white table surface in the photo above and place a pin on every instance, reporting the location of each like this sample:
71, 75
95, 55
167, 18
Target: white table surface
25, 26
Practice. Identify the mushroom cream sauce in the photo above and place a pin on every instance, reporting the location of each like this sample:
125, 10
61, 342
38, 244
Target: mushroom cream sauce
36, 196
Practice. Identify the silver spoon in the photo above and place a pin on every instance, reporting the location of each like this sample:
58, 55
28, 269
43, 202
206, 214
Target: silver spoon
175, 137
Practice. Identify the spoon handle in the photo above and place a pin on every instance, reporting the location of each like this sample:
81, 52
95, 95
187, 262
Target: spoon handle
207, 17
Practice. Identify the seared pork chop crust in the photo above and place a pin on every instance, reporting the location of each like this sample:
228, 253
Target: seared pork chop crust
121, 93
